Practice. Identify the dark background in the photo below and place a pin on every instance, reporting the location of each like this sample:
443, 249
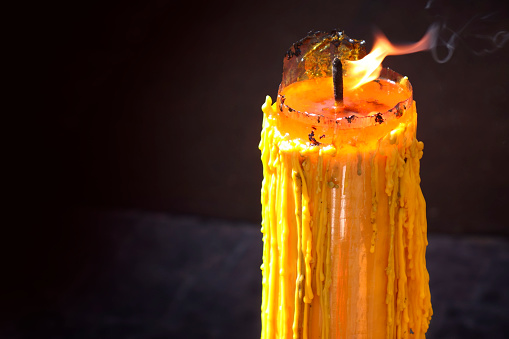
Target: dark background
158, 103
138, 173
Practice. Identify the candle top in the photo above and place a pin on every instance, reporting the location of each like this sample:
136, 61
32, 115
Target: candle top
307, 88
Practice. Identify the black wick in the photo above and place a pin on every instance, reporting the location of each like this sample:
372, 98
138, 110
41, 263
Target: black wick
337, 80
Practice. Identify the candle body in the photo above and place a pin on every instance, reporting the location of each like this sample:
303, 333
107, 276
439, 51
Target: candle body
344, 229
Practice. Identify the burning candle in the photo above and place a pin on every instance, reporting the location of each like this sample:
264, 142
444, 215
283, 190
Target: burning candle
344, 224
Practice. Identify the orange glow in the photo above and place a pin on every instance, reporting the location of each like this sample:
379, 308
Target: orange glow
316, 96
368, 68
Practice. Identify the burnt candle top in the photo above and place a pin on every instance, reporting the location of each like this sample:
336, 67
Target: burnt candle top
307, 88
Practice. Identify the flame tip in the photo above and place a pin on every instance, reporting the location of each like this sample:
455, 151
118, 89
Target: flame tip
368, 68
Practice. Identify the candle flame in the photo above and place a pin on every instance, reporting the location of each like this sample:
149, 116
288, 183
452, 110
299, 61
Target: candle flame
367, 69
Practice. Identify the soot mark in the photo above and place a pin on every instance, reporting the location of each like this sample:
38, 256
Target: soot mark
350, 118
296, 50
312, 139
282, 103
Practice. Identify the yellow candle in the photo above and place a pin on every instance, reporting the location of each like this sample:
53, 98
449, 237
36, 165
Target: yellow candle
344, 224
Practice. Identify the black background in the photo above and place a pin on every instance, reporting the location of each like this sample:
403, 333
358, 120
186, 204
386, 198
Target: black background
155, 106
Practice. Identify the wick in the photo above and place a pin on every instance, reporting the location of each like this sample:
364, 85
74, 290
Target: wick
337, 80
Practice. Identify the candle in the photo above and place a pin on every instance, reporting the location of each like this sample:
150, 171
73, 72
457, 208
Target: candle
344, 224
